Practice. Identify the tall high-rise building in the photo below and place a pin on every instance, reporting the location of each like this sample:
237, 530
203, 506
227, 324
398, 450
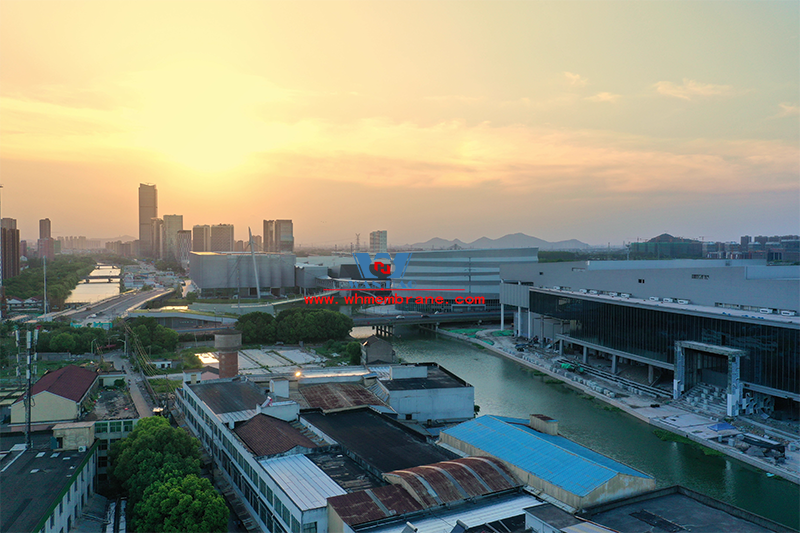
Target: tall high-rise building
269, 235
172, 225
278, 236
184, 246
222, 238
148, 210
378, 242
44, 228
201, 238
157, 238
46, 248
9, 242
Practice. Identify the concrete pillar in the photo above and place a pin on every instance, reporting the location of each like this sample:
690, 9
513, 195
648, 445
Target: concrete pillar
680, 371
502, 316
518, 321
650, 374
561, 347
735, 387
613, 364
530, 324
585, 355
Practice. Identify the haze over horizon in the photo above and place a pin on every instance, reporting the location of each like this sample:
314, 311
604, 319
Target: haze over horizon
598, 121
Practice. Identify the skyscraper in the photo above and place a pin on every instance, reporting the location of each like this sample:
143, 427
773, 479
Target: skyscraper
9, 242
157, 238
172, 225
222, 238
201, 238
184, 246
269, 235
44, 228
377, 242
278, 236
148, 210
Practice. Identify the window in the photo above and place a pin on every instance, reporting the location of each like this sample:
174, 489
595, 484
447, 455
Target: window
103, 445
310, 528
128, 425
52, 520
699, 276
115, 427
101, 427
641, 280
295, 525
61, 507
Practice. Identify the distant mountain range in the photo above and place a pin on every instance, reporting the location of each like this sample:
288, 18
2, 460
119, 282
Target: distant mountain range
514, 240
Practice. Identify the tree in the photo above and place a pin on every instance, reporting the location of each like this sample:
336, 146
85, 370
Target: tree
353, 351
181, 504
63, 342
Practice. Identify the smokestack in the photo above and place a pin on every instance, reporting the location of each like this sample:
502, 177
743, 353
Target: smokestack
227, 346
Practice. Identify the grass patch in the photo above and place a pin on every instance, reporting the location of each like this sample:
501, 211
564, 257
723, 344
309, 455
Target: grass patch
673, 437
503, 333
587, 397
538, 373
553, 381
467, 332
161, 386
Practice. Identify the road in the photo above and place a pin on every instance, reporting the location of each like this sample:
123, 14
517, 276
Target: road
132, 379
110, 309
442, 318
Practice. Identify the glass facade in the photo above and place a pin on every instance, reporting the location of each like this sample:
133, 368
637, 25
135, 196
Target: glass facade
773, 352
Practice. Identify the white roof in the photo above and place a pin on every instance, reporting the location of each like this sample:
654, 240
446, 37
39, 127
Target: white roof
303, 481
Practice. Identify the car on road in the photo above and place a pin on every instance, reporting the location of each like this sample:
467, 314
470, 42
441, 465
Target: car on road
398, 317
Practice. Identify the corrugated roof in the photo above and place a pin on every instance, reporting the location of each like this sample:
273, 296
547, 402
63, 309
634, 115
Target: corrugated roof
552, 458
452, 481
373, 504
265, 435
303, 481
471, 515
229, 396
70, 382
327, 396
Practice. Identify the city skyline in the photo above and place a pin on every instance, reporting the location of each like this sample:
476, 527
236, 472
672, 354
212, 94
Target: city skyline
597, 121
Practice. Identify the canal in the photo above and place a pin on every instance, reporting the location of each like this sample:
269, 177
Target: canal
505, 388
97, 289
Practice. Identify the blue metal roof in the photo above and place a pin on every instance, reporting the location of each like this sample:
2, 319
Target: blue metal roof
552, 458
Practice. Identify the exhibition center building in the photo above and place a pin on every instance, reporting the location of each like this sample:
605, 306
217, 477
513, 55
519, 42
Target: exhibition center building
732, 325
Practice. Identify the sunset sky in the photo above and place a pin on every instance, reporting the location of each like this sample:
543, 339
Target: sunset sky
595, 120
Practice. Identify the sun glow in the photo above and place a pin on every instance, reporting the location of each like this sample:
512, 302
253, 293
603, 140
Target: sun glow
206, 117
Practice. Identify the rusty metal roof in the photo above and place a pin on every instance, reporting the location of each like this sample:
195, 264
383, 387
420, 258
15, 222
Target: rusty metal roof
327, 396
456, 480
265, 435
373, 504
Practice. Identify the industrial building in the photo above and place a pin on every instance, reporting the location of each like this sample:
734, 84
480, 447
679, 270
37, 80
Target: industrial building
740, 316
241, 274
46, 489
540, 458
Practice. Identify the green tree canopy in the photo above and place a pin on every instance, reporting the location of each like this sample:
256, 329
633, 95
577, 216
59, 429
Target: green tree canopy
181, 504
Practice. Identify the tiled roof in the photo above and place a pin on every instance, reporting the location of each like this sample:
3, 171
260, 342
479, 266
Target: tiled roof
456, 480
373, 504
265, 435
70, 382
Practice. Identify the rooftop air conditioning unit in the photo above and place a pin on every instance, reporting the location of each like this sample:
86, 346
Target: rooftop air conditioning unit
613, 294
81, 448
684, 302
788, 313
669, 300
584, 291
654, 298
557, 288
625, 295
765, 311
593, 292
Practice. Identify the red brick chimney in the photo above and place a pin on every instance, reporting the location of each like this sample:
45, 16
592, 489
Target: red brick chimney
227, 346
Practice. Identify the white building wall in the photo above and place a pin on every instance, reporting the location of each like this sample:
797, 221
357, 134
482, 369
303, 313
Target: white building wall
457, 403
72, 501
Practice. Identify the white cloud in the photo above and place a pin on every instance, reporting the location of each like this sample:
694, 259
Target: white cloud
603, 97
576, 80
788, 110
691, 88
